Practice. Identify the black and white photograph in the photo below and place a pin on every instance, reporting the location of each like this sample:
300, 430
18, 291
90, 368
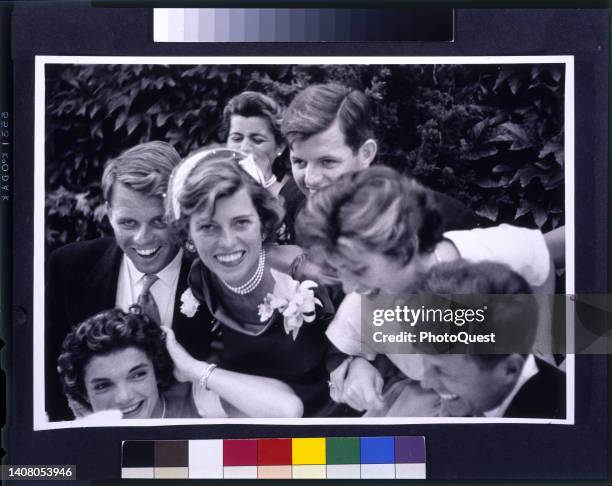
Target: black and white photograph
207, 229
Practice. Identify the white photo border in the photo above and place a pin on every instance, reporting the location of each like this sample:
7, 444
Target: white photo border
40, 420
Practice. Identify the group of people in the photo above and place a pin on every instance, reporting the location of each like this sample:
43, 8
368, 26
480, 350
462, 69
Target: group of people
232, 285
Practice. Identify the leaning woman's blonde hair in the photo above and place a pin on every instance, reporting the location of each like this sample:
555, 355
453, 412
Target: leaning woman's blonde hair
209, 174
376, 209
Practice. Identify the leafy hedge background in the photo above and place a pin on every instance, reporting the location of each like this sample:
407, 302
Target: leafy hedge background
489, 135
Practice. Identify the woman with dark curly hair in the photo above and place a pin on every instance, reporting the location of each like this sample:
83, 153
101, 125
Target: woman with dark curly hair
124, 361
272, 323
253, 121
118, 361
380, 231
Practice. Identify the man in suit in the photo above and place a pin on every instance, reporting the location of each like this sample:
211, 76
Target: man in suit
143, 264
329, 131
468, 378
328, 128
496, 385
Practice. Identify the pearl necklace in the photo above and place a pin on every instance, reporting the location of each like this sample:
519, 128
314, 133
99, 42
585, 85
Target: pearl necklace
254, 281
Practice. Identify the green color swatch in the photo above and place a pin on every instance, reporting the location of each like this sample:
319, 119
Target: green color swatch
343, 450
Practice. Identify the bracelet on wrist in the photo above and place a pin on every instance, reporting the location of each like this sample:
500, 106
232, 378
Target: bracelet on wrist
203, 380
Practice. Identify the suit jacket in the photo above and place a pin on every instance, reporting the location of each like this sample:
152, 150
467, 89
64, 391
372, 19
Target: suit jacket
81, 280
455, 214
542, 396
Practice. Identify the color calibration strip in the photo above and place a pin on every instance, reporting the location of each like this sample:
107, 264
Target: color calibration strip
302, 25
401, 457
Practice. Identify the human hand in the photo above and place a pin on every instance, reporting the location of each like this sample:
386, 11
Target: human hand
336, 381
186, 367
263, 162
363, 386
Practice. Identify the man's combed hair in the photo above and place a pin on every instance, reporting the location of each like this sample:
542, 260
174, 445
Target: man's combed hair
377, 209
463, 277
317, 107
145, 168
105, 333
511, 310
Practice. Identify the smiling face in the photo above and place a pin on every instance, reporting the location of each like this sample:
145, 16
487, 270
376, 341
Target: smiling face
140, 229
229, 241
319, 160
123, 380
467, 387
253, 135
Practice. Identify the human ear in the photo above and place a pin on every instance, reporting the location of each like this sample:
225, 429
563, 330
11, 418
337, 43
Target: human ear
367, 152
512, 366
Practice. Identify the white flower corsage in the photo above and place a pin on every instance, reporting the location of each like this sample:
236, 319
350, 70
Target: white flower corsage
189, 304
294, 300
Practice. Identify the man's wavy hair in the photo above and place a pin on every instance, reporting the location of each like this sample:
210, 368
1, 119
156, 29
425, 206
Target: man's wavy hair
376, 209
317, 107
145, 168
511, 309
215, 176
105, 333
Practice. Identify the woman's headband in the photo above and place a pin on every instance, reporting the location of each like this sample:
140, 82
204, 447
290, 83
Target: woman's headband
181, 173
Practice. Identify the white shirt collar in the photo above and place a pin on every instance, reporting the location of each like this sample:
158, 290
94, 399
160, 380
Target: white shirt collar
167, 275
530, 368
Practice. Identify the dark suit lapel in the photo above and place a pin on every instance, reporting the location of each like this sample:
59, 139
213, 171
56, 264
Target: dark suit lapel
542, 396
100, 285
180, 288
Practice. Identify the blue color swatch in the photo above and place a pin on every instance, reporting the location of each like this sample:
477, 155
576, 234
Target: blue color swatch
377, 450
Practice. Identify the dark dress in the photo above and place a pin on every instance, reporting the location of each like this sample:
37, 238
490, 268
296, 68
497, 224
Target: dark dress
273, 353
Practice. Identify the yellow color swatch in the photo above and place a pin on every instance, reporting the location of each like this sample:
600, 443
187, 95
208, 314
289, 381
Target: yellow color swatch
308, 450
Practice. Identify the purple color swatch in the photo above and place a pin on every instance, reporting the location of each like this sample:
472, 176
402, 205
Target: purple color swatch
409, 450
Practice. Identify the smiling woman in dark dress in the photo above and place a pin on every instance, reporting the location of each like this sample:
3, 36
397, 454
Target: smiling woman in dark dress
231, 221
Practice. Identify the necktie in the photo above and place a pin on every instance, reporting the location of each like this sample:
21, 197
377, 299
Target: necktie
146, 300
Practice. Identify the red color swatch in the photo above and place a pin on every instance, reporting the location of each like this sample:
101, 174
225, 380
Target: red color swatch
274, 452
240, 452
